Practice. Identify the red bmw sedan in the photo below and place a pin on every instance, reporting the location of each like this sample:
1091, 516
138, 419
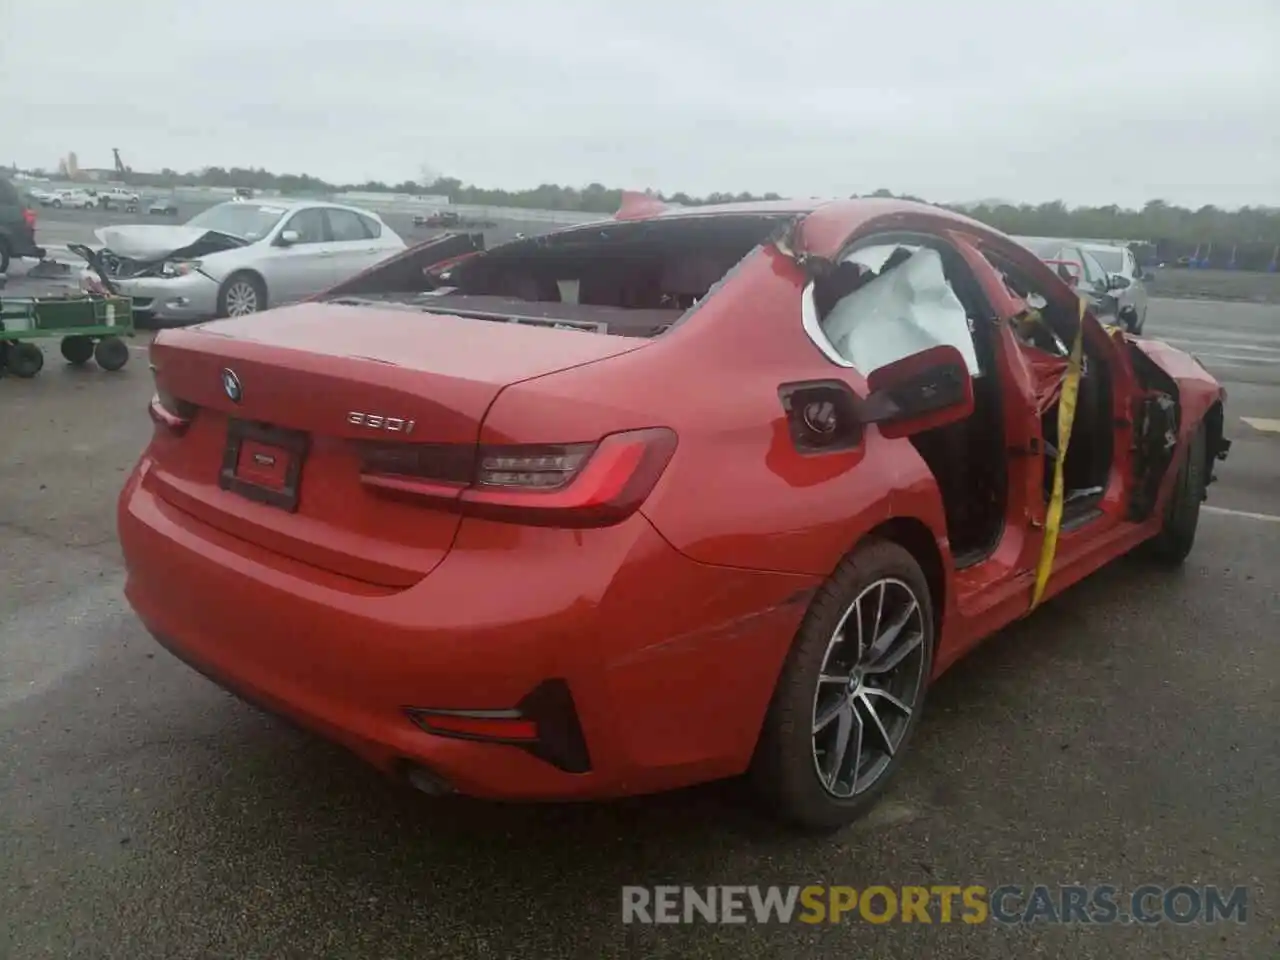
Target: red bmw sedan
672, 497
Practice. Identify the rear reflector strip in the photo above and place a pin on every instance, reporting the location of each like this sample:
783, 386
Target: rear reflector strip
545, 724
500, 725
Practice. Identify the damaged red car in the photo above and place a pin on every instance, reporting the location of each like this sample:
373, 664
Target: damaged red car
677, 496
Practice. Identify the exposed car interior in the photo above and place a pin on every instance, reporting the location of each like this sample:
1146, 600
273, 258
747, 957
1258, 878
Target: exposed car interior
895, 295
627, 278
1045, 330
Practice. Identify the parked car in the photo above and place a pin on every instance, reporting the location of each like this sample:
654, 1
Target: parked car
17, 226
118, 198
1126, 279
451, 218
238, 258
75, 199
162, 206
1081, 270
42, 196
437, 218
463, 502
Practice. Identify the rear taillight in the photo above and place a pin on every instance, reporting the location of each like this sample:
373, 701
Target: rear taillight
547, 468
570, 485
29, 216
169, 412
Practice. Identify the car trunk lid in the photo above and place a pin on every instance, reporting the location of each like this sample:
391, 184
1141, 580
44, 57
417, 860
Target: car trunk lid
281, 404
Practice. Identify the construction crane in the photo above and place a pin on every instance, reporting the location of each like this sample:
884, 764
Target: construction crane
121, 169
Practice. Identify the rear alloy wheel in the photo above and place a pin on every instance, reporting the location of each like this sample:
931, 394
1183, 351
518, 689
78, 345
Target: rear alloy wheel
1173, 543
111, 353
851, 691
77, 350
242, 295
25, 359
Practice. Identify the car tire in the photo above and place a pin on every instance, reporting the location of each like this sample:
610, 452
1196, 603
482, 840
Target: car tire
5, 255
1177, 535
77, 351
57, 203
799, 769
241, 294
25, 359
111, 353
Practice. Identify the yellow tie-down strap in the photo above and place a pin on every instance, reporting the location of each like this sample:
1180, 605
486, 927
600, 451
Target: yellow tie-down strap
1066, 417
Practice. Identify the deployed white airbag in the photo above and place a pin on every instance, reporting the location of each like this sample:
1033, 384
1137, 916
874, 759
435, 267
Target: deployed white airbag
900, 314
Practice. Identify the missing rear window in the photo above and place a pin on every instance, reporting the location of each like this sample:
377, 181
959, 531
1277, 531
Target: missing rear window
633, 278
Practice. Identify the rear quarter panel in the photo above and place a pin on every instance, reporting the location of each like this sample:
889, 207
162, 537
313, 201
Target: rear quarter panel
736, 492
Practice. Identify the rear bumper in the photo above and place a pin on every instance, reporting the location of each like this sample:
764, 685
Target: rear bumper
670, 664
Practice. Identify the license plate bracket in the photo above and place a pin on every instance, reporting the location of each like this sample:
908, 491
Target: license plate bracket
259, 447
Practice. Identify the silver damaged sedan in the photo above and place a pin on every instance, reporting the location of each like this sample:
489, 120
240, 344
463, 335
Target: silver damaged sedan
238, 257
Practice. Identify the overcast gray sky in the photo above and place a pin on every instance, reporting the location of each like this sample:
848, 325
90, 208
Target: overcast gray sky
1090, 101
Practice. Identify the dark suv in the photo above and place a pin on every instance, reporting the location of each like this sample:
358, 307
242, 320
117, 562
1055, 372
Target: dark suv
17, 227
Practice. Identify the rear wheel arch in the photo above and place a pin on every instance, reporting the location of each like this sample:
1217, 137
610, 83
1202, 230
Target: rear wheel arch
916, 537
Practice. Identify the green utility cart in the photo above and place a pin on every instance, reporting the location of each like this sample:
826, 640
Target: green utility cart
90, 327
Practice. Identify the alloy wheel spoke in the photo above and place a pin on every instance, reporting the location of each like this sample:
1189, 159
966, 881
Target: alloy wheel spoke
875, 630
854, 749
834, 678
857, 615
886, 695
835, 757
822, 720
897, 654
878, 725
884, 641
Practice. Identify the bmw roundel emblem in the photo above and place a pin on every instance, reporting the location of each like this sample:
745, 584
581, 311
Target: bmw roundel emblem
231, 384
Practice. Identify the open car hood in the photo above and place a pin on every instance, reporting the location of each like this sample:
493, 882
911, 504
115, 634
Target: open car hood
164, 241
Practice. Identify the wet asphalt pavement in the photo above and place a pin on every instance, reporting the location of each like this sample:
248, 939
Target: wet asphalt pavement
1127, 733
